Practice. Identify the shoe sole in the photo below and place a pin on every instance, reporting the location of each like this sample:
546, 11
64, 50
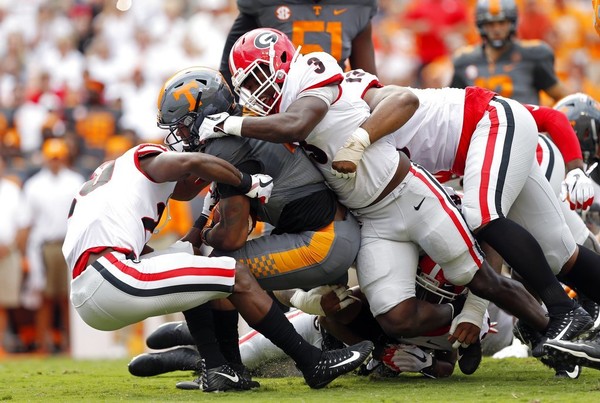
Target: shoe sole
564, 354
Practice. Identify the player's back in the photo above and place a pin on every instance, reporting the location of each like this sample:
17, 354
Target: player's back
118, 207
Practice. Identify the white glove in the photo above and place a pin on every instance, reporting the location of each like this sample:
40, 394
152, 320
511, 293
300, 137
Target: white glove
352, 151
577, 188
208, 129
473, 312
210, 200
310, 301
406, 358
261, 188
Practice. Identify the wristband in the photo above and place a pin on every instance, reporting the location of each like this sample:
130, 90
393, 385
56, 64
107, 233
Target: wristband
204, 234
200, 221
362, 136
245, 183
233, 125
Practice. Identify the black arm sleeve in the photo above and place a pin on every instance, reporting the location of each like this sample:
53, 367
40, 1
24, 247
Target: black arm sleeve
242, 24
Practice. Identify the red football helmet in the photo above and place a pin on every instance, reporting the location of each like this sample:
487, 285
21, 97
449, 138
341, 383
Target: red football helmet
432, 286
265, 54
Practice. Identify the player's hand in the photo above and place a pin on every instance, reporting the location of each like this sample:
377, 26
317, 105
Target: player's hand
406, 358
261, 188
577, 188
347, 158
212, 126
463, 333
314, 303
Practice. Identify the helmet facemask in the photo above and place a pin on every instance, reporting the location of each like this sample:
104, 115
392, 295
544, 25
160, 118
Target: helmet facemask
177, 143
266, 96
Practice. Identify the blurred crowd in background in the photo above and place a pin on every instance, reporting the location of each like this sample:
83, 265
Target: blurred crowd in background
87, 74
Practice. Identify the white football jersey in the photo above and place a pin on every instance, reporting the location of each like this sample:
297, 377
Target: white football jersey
118, 207
431, 135
346, 114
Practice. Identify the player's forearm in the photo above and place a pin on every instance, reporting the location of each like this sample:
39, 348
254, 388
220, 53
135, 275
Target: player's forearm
391, 107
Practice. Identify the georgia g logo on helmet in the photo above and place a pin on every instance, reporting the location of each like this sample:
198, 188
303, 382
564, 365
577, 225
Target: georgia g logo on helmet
264, 40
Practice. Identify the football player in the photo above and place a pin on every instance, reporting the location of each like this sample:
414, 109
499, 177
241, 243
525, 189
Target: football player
510, 67
314, 238
117, 280
341, 28
390, 195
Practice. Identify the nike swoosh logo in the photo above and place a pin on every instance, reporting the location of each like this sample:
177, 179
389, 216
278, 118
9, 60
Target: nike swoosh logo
234, 378
418, 206
355, 356
340, 11
422, 358
561, 334
573, 374
265, 184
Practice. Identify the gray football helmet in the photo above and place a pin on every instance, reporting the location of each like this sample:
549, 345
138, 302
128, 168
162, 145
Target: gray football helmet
186, 99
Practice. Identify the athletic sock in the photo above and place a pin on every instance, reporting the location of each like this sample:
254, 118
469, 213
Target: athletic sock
226, 332
280, 331
201, 326
585, 274
525, 255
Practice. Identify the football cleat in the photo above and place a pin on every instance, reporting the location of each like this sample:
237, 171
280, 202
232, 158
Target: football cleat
585, 353
566, 326
469, 358
169, 335
334, 363
220, 379
178, 359
593, 309
572, 372
526, 334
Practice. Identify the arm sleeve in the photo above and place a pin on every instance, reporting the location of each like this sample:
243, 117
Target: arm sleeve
556, 124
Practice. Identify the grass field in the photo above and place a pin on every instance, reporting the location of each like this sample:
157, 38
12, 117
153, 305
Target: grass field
511, 380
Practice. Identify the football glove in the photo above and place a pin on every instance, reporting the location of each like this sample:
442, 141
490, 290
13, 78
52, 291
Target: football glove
209, 130
260, 188
310, 301
352, 152
406, 358
577, 189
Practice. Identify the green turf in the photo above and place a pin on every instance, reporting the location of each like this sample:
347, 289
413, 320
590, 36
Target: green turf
511, 380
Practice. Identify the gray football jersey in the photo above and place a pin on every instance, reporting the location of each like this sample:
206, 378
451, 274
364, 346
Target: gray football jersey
317, 26
520, 73
294, 175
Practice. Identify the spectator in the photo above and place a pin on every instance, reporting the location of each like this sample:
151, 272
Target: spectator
48, 197
11, 248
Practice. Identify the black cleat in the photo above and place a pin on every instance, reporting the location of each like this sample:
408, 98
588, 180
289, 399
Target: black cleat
569, 325
593, 309
572, 372
585, 353
469, 358
220, 379
178, 359
527, 335
334, 363
169, 335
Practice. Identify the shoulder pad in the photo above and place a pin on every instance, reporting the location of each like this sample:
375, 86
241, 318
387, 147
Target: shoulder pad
536, 49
